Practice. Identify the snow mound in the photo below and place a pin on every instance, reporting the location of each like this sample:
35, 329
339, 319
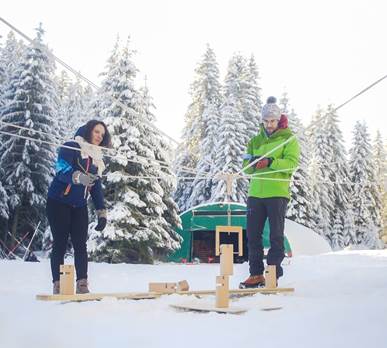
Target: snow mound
305, 241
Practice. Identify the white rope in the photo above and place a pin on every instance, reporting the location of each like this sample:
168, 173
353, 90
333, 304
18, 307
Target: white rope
312, 124
116, 153
123, 157
75, 148
80, 76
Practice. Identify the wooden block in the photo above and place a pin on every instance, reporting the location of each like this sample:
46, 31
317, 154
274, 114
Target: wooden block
229, 229
270, 277
182, 285
226, 259
222, 292
66, 280
164, 288
208, 308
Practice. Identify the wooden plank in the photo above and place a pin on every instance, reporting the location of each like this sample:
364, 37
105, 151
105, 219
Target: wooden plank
97, 297
150, 295
196, 307
238, 291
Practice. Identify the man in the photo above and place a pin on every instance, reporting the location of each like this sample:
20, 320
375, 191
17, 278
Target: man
269, 198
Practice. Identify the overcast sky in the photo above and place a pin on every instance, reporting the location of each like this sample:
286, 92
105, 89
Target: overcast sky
320, 52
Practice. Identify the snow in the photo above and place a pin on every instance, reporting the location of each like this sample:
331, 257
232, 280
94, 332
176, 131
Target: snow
304, 241
340, 301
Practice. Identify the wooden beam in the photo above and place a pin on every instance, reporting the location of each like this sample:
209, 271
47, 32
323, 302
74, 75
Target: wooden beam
150, 295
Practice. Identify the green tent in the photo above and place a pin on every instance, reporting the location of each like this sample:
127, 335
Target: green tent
198, 232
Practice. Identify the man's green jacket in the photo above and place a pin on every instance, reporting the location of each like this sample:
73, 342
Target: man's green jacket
284, 158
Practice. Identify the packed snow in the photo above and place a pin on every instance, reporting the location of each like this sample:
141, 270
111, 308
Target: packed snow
340, 301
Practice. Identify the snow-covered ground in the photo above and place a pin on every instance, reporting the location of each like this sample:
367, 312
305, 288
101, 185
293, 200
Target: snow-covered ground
340, 301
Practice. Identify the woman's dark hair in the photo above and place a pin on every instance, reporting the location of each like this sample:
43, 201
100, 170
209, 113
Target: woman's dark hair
89, 126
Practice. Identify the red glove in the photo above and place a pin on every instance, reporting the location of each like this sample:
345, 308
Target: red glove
263, 163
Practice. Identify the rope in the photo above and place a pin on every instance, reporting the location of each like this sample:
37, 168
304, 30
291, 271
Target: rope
80, 76
114, 151
313, 124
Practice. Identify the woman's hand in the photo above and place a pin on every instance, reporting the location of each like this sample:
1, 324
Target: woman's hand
87, 180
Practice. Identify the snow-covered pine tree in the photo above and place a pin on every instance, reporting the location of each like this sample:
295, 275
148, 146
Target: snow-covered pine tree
323, 202
232, 136
208, 97
27, 166
10, 56
62, 83
252, 103
336, 169
300, 208
137, 230
169, 218
362, 174
4, 213
379, 159
77, 108
201, 123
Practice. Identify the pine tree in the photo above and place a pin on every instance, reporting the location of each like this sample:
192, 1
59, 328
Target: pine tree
201, 125
362, 173
379, 159
323, 202
232, 136
10, 56
27, 166
207, 95
137, 202
300, 208
4, 213
252, 103
337, 172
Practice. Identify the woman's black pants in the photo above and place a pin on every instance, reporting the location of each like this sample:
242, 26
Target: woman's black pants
66, 221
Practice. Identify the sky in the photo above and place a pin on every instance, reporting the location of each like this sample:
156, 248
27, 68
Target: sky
319, 52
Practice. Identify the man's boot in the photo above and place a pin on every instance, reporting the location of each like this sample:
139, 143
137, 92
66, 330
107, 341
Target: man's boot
82, 286
255, 281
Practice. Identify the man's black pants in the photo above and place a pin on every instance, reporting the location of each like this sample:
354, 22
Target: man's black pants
66, 221
258, 209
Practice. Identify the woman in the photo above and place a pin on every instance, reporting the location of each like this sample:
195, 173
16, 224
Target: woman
78, 174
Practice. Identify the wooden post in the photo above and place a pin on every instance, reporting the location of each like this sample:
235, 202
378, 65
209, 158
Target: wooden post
270, 277
66, 280
222, 291
226, 259
226, 270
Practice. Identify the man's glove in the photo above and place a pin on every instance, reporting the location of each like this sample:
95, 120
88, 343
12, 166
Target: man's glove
102, 219
263, 163
87, 180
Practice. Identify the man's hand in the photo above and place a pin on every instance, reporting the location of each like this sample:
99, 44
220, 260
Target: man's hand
264, 163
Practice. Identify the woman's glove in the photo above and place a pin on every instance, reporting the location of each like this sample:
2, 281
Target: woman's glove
102, 220
87, 180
